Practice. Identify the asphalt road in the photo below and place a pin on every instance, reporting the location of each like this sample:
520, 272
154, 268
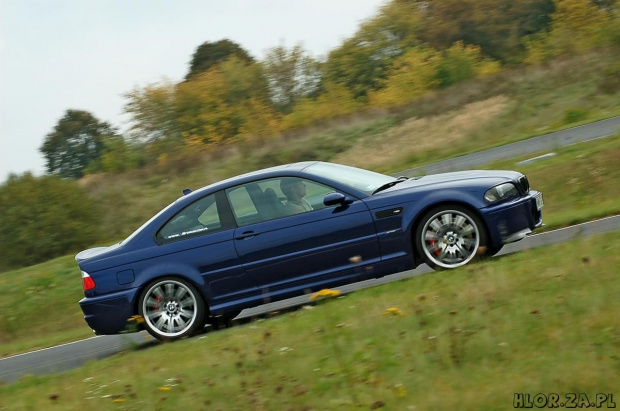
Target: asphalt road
75, 354
550, 141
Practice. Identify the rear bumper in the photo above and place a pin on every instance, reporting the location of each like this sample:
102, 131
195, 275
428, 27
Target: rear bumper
109, 314
514, 220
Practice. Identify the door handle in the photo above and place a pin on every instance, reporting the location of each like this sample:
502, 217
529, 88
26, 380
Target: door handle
246, 235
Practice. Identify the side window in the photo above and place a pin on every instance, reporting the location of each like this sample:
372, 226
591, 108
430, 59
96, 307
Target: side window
200, 217
242, 204
274, 198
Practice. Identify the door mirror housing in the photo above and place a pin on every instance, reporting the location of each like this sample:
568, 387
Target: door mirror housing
336, 199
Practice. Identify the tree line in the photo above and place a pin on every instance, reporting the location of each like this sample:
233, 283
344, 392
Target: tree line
409, 48
229, 97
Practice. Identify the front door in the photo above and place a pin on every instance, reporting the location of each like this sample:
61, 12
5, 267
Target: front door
290, 245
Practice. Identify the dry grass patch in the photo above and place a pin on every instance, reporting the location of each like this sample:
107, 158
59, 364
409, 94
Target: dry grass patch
419, 135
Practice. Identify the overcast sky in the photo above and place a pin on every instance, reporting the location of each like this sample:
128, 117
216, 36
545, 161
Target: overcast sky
84, 54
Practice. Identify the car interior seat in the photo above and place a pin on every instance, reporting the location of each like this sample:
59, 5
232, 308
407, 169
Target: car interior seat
276, 208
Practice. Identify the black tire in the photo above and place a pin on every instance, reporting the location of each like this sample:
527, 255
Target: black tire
172, 308
450, 236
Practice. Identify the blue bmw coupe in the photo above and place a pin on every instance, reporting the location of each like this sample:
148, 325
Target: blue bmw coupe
296, 229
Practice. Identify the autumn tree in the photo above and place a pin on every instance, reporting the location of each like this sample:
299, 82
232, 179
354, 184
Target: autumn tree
76, 141
363, 61
227, 102
461, 62
209, 54
497, 26
411, 75
336, 100
292, 74
577, 26
153, 113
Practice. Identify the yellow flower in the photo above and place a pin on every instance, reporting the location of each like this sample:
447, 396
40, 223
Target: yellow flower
118, 400
400, 390
393, 311
325, 293
164, 388
137, 318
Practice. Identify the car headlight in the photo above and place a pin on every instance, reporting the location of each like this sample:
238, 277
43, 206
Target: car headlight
501, 192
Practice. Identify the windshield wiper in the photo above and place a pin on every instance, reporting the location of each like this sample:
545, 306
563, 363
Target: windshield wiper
390, 184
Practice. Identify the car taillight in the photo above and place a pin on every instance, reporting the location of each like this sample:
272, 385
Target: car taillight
87, 282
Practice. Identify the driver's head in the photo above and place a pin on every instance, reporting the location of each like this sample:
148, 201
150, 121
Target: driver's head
293, 188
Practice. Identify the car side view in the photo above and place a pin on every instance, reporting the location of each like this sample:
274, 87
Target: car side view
295, 229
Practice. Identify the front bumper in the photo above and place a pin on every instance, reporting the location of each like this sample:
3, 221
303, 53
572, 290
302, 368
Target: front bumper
514, 220
109, 314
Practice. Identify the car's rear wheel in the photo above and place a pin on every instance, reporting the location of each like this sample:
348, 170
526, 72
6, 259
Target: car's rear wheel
172, 308
450, 236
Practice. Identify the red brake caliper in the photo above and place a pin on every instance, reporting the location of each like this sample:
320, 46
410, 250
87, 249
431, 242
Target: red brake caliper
432, 242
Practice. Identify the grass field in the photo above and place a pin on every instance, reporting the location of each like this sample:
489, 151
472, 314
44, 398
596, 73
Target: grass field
539, 321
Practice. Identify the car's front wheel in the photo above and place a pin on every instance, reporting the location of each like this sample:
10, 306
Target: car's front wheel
450, 236
172, 308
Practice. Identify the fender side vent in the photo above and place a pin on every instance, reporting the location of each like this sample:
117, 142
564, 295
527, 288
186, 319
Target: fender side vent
389, 213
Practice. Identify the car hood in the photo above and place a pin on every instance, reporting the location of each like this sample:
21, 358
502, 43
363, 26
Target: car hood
93, 252
490, 176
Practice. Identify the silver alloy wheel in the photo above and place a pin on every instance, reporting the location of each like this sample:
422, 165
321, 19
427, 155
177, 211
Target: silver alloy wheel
170, 308
450, 238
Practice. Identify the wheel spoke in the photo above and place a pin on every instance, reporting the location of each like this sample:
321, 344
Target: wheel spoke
152, 315
188, 302
153, 303
160, 323
170, 325
181, 323
462, 251
446, 219
459, 221
469, 242
181, 292
467, 230
159, 293
186, 313
436, 225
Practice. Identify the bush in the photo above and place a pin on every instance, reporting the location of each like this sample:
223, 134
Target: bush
574, 115
610, 83
42, 218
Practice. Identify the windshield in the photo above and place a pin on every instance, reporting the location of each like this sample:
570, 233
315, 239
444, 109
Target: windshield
356, 178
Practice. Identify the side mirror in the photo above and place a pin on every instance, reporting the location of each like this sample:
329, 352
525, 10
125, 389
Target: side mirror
335, 199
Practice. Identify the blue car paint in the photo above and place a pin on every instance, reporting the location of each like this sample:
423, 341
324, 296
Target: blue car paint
370, 237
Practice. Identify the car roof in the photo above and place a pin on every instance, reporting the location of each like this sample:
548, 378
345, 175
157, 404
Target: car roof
263, 173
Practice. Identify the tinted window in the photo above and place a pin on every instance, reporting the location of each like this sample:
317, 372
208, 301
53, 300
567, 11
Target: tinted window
274, 198
200, 217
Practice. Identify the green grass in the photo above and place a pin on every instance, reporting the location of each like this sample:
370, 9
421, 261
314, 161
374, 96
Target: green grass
39, 307
543, 320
